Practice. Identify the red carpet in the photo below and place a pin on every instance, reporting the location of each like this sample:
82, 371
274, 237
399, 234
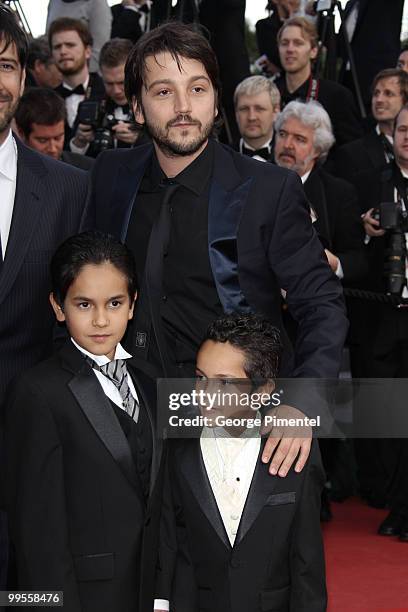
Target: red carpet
365, 572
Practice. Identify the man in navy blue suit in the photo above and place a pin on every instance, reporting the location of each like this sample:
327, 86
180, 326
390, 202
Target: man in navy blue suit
212, 231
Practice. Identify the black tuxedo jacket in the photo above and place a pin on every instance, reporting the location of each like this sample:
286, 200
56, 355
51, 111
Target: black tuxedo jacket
49, 201
373, 50
260, 239
125, 23
338, 222
277, 560
78, 521
363, 155
373, 188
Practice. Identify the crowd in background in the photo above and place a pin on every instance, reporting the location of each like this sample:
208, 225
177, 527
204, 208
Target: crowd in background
343, 131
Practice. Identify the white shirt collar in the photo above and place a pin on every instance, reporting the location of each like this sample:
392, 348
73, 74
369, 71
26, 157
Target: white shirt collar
404, 173
84, 84
8, 158
101, 360
305, 176
379, 132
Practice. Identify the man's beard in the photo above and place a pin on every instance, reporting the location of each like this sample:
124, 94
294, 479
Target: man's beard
173, 148
7, 114
73, 69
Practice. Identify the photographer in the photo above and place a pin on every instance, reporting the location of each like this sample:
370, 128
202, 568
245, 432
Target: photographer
71, 46
385, 334
108, 123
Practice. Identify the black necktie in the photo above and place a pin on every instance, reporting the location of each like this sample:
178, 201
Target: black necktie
64, 92
116, 372
263, 152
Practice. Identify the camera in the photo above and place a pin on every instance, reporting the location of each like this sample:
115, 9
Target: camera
93, 113
394, 219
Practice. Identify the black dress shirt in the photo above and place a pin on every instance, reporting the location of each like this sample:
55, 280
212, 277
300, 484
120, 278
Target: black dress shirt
190, 300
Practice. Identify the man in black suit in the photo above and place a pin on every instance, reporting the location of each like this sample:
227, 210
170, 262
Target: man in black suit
302, 142
366, 21
374, 150
257, 103
71, 45
191, 209
298, 48
235, 539
385, 331
42, 201
40, 120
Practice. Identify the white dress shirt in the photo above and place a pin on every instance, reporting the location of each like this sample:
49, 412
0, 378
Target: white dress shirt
8, 177
73, 101
230, 464
113, 394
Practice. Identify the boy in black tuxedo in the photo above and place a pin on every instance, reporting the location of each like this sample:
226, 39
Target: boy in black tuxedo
234, 538
82, 480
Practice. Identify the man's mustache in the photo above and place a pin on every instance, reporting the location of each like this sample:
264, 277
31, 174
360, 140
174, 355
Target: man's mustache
183, 119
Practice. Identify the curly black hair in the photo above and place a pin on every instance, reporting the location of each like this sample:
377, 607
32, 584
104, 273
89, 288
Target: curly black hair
256, 337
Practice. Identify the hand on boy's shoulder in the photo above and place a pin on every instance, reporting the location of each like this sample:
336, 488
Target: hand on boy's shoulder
287, 443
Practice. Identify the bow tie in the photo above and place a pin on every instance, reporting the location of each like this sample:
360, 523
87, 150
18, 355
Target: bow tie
64, 92
264, 152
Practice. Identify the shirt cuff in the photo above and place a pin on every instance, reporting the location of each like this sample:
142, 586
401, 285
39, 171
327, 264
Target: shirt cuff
80, 150
339, 270
161, 604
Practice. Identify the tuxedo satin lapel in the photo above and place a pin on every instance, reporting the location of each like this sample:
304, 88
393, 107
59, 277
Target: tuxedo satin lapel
30, 197
99, 412
192, 467
224, 215
262, 486
127, 184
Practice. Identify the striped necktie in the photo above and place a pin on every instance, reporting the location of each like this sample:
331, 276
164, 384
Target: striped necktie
116, 372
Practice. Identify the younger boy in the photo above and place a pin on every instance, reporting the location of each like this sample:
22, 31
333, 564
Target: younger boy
234, 538
82, 490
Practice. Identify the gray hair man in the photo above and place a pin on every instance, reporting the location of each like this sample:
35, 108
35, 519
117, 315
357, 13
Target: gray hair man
303, 139
257, 104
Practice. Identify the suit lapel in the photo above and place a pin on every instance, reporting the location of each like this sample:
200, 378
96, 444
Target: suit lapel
97, 409
261, 487
191, 465
30, 197
228, 196
127, 185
